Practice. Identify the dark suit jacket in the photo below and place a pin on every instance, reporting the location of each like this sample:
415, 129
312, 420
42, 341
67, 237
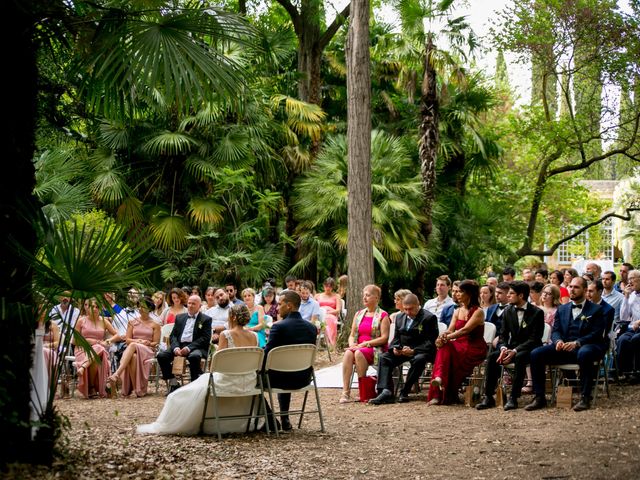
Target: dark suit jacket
527, 337
493, 317
422, 335
447, 314
608, 312
587, 331
291, 330
201, 332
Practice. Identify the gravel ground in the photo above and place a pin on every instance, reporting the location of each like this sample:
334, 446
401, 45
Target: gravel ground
408, 440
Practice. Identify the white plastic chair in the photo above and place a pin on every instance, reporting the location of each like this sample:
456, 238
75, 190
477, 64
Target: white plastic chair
289, 359
236, 361
442, 327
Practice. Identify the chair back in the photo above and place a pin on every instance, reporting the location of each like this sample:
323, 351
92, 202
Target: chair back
166, 330
237, 361
489, 332
291, 358
442, 327
546, 335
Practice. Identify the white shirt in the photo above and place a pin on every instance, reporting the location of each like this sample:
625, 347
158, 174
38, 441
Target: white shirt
187, 333
575, 312
219, 316
614, 299
121, 320
70, 316
630, 309
436, 306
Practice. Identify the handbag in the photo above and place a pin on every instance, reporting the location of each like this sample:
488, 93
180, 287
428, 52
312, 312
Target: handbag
367, 388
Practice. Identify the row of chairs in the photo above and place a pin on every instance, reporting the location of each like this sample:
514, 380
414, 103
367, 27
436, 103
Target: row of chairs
245, 360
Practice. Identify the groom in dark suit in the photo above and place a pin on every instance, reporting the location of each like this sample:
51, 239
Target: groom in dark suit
521, 331
414, 341
291, 330
578, 337
189, 338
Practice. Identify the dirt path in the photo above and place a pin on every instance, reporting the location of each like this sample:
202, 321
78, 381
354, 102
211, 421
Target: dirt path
407, 440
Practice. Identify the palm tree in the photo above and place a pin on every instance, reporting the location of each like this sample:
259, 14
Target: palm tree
124, 51
320, 204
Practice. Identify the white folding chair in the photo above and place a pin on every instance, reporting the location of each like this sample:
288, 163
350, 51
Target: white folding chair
289, 359
442, 327
236, 361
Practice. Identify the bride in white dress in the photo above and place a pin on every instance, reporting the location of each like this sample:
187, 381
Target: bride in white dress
182, 411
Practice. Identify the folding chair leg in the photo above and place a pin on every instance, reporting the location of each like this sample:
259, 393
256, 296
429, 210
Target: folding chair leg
273, 411
304, 405
315, 388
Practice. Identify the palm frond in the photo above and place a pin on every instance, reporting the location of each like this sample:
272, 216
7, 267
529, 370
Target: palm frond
205, 211
169, 143
168, 231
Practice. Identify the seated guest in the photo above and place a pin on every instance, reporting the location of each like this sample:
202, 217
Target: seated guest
416, 331
594, 269
492, 280
270, 303
309, 308
535, 292
231, 290
550, 299
177, 302
159, 306
527, 275
368, 338
210, 299
442, 300
50, 342
556, 278
92, 375
290, 282
256, 324
113, 309
577, 337
120, 322
460, 348
594, 295
190, 339
398, 297
182, 412
628, 344
542, 276
447, 312
611, 295
508, 274
142, 339
219, 314
331, 303
625, 268
522, 329
291, 330
568, 275
488, 300
494, 315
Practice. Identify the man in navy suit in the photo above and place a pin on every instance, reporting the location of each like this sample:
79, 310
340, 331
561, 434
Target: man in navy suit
189, 338
495, 311
594, 295
291, 330
578, 336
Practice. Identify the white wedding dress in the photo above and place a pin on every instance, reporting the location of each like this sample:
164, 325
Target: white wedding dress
182, 411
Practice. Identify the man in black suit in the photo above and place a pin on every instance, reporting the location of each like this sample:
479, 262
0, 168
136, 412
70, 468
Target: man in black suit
521, 331
189, 338
291, 330
578, 336
414, 341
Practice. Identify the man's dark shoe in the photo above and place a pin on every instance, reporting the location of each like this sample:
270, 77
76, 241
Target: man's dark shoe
172, 388
487, 402
512, 404
582, 405
384, 397
537, 404
286, 424
403, 398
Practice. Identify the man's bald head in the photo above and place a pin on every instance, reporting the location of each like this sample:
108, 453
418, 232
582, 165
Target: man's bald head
193, 304
411, 305
410, 299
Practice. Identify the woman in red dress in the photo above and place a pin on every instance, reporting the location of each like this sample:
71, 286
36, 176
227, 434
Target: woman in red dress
460, 348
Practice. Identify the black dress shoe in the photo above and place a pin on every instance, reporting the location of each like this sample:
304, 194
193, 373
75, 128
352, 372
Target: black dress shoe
582, 405
403, 398
537, 404
384, 397
172, 388
487, 402
512, 404
286, 424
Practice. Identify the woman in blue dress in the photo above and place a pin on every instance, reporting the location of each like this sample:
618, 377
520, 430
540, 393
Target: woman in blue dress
257, 323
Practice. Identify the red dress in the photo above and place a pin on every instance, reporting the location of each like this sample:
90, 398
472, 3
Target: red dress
455, 361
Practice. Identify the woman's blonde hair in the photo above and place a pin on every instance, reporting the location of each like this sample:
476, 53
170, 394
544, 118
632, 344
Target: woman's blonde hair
374, 289
555, 293
248, 290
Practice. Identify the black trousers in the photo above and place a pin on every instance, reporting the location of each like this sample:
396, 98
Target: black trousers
165, 360
521, 361
388, 362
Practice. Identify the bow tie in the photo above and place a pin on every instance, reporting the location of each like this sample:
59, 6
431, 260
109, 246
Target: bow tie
576, 305
501, 307
520, 309
190, 317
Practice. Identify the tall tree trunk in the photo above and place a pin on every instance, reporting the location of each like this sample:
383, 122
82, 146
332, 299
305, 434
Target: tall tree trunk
15, 284
360, 234
429, 137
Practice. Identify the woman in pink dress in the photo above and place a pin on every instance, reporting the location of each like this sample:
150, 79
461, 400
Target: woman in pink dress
460, 348
332, 304
143, 336
93, 372
369, 336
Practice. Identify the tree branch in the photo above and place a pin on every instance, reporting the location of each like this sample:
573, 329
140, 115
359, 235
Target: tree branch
555, 246
333, 28
293, 13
